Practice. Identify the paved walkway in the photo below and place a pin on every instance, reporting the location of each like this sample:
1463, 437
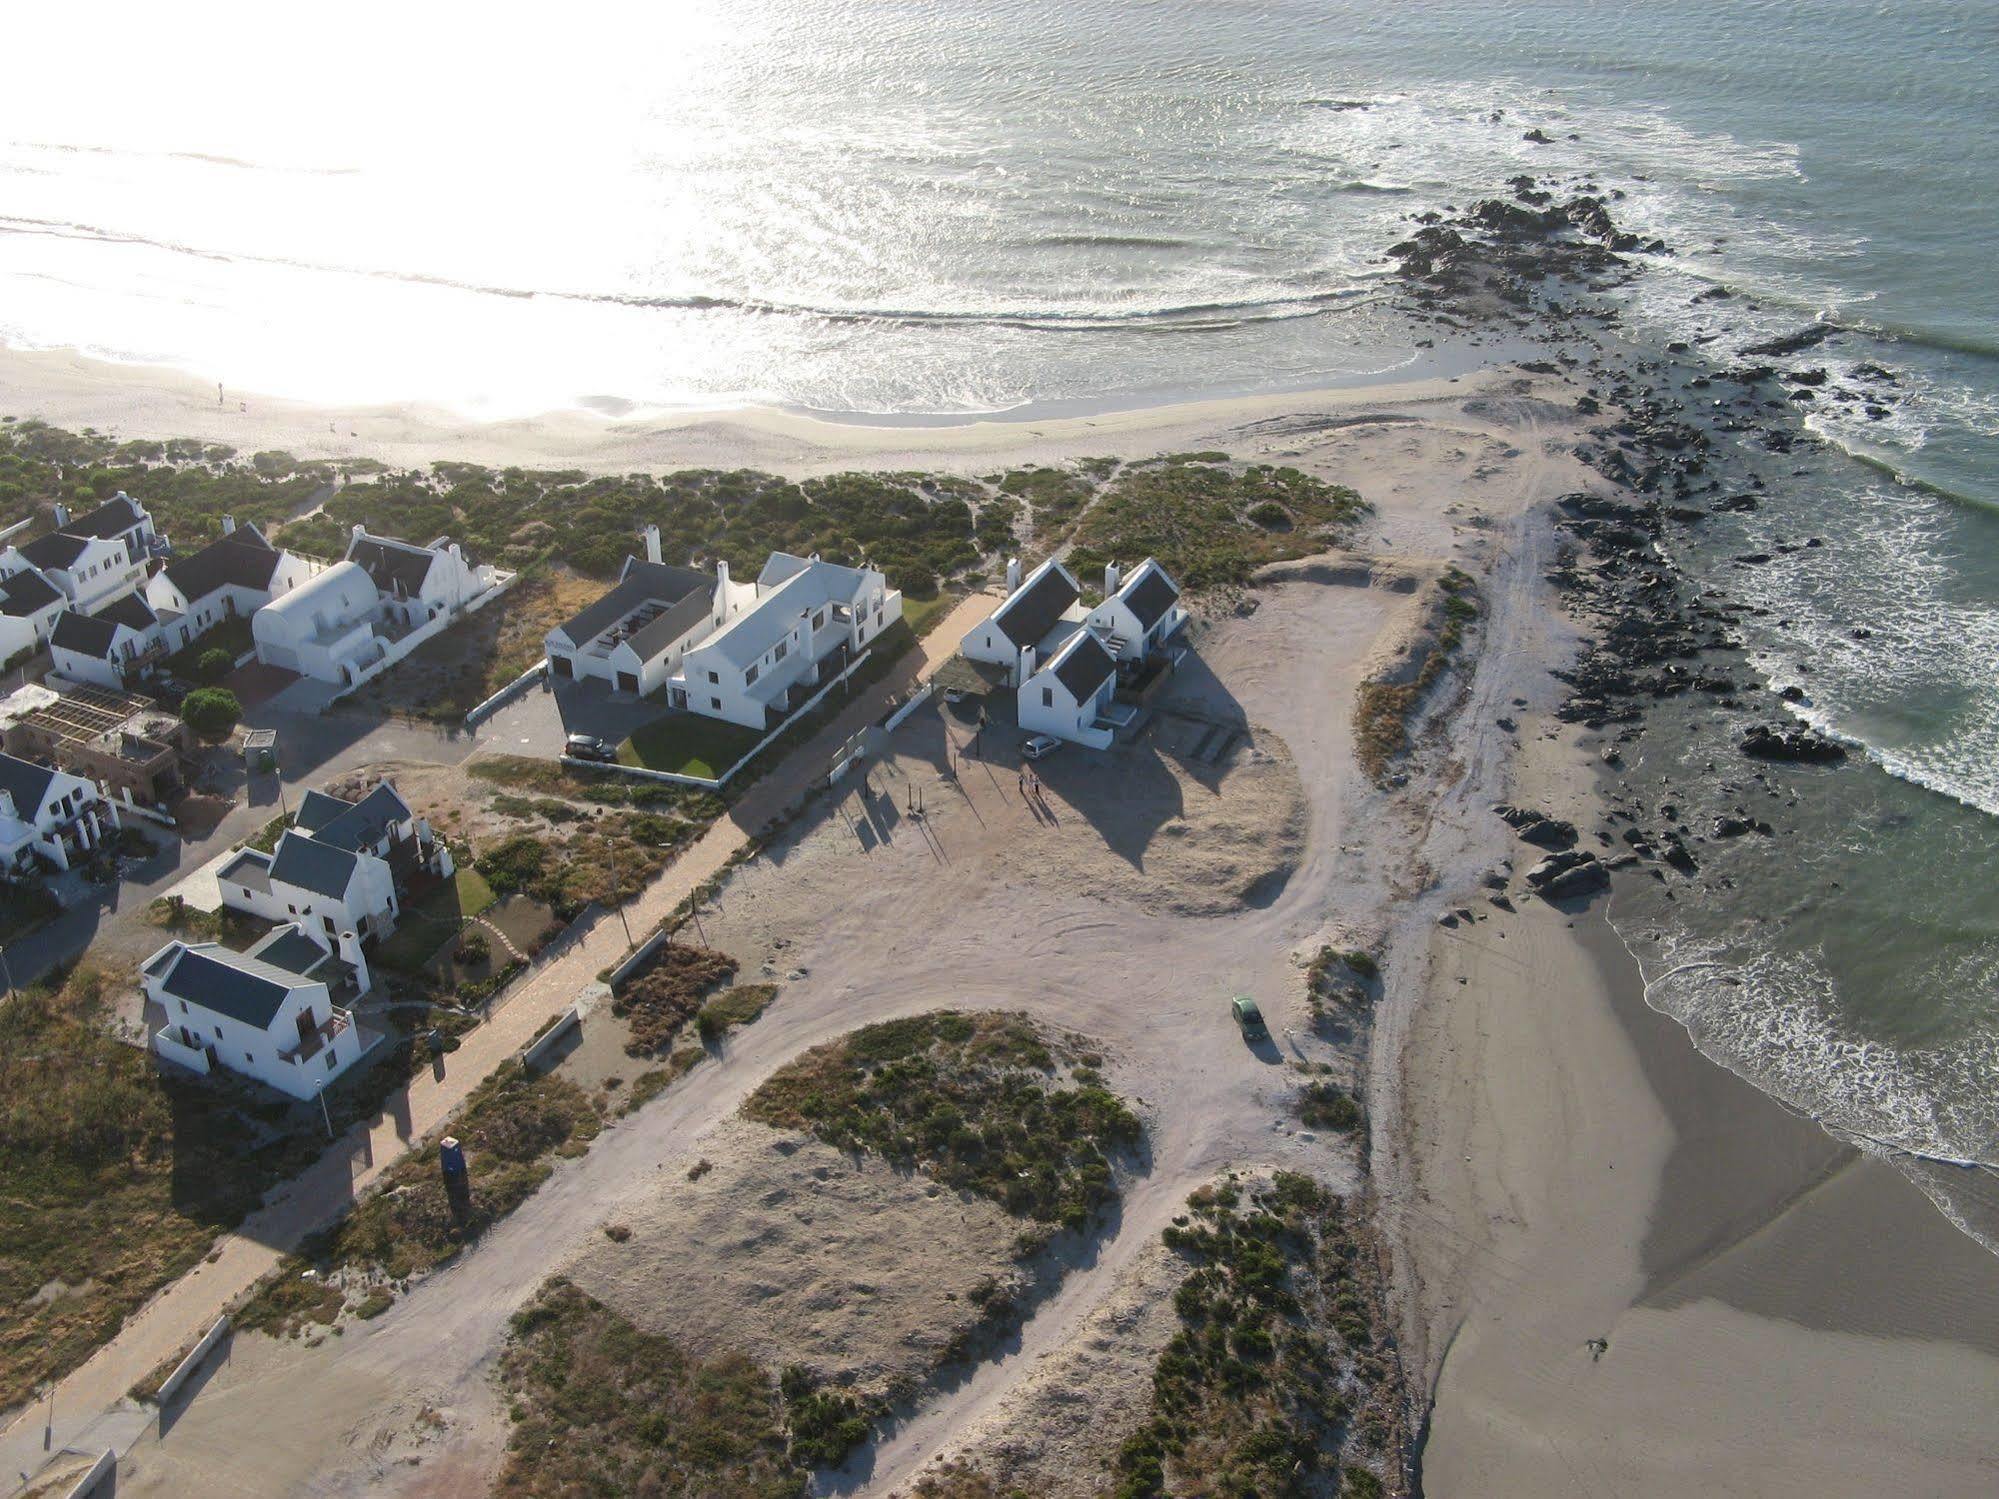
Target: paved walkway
87, 1402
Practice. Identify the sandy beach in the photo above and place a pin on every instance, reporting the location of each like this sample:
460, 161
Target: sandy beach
1782, 1315
68, 390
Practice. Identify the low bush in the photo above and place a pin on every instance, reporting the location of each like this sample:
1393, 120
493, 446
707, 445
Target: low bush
664, 995
212, 712
978, 1101
1324, 1105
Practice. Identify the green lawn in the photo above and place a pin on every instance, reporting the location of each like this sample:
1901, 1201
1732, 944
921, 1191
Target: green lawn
434, 920
688, 744
921, 615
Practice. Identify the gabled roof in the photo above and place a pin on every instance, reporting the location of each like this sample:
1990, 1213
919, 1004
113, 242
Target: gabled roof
1149, 592
26, 782
108, 521
242, 559
128, 609
26, 592
394, 566
58, 549
1082, 666
678, 590
309, 864
317, 808
788, 588
229, 983
1033, 608
85, 634
353, 824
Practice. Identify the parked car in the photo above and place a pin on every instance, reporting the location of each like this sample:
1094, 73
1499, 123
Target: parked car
1039, 745
589, 747
1248, 1017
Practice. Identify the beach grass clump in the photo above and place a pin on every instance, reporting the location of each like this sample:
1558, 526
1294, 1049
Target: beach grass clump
1384, 706
667, 992
1326, 1105
550, 778
601, 1407
1209, 523
1280, 1380
985, 1103
606, 859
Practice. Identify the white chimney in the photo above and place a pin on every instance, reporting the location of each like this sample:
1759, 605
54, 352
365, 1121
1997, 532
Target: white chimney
1012, 574
360, 531
651, 534
228, 525
62, 516
350, 953
1026, 662
1112, 577
722, 573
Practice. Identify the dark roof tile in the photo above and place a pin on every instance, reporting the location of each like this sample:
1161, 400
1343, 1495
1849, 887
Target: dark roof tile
1036, 606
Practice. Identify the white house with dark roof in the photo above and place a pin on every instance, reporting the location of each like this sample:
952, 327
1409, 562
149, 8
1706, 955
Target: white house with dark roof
804, 622
48, 817
1068, 693
339, 870
87, 570
1049, 597
1140, 612
29, 607
1063, 657
233, 576
109, 646
372, 608
120, 518
267, 1013
635, 636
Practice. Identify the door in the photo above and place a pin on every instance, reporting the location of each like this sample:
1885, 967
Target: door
562, 666
627, 682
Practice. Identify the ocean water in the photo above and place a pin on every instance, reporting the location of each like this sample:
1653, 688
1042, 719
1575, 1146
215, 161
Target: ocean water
937, 209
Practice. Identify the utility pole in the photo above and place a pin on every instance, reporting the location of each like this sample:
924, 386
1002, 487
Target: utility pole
611, 845
319, 1092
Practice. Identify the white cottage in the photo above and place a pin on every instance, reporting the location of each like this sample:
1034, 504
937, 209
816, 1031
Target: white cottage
1068, 694
369, 610
87, 570
232, 577
267, 1013
339, 870
805, 621
120, 518
48, 817
109, 646
1140, 612
29, 607
634, 638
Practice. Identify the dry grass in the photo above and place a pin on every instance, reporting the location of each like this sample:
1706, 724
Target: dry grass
600, 1407
445, 677
664, 995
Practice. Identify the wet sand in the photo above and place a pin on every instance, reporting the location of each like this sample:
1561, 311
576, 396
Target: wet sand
1782, 1315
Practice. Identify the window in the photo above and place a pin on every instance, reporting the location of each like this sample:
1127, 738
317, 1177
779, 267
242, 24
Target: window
781, 649
218, 1033
749, 676
250, 1059
717, 703
819, 620
329, 1059
713, 678
183, 1005
1048, 697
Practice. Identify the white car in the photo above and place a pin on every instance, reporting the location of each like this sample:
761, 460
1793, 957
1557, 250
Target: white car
1039, 745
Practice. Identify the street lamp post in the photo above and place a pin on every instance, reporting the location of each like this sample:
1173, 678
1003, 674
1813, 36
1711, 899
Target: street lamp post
319, 1092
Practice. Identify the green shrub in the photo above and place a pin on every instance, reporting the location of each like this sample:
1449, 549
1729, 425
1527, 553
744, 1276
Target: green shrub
213, 666
212, 712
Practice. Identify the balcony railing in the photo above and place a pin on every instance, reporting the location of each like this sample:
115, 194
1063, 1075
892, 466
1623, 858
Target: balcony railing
311, 1044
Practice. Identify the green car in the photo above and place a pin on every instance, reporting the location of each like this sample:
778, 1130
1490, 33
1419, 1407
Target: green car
1248, 1016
